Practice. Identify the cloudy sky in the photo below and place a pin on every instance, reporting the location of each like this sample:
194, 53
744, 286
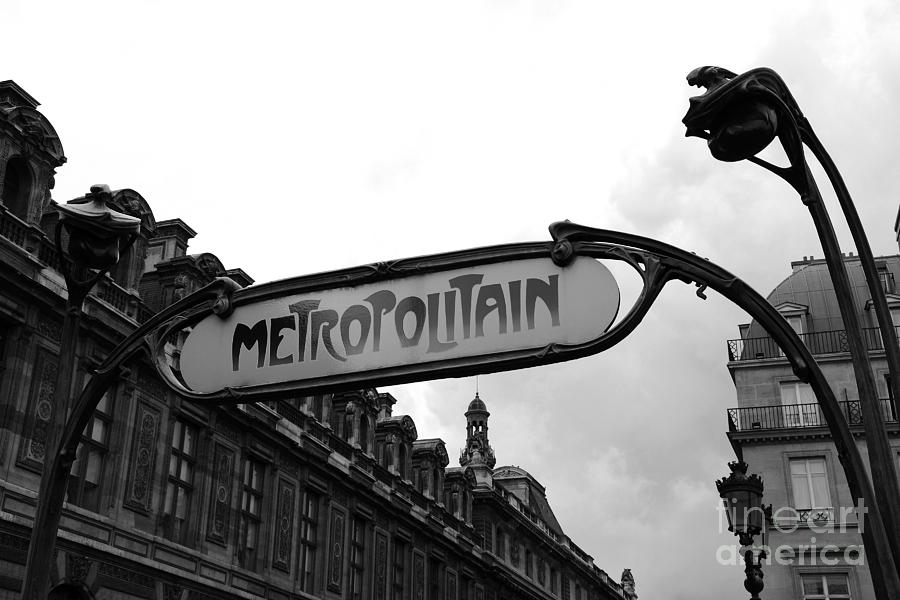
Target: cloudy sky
298, 137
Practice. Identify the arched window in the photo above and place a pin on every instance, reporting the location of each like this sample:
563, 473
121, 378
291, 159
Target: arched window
317, 402
364, 433
500, 544
401, 467
348, 425
387, 460
436, 483
17, 185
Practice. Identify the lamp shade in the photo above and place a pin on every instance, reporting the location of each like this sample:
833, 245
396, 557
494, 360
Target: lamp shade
742, 496
743, 129
95, 230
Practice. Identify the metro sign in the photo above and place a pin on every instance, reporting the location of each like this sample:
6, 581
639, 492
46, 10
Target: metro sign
481, 310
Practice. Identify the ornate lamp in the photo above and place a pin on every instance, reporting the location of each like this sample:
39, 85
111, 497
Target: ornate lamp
747, 517
96, 232
743, 502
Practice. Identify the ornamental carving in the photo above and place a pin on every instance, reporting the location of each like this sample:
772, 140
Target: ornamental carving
284, 526
336, 550
52, 330
123, 574
514, 551
451, 585
172, 591
151, 386
34, 446
138, 492
77, 567
418, 577
220, 501
380, 565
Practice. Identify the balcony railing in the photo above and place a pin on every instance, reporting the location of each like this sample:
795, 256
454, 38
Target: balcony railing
820, 342
798, 416
18, 232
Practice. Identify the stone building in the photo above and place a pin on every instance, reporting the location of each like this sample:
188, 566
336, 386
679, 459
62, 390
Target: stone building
330, 496
778, 429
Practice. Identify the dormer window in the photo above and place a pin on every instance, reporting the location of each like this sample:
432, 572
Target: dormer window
796, 316
17, 184
885, 277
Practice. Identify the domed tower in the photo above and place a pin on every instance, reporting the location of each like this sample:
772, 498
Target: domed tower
478, 451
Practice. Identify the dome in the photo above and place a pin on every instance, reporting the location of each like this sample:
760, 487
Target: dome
477, 404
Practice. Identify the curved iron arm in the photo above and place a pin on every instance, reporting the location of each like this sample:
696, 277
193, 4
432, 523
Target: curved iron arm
78, 289
677, 264
53, 486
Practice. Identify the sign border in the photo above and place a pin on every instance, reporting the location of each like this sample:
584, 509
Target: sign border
394, 375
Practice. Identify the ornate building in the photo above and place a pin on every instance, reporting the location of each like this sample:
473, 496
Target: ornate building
331, 496
778, 429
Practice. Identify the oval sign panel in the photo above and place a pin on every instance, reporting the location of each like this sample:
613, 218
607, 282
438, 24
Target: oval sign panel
420, 322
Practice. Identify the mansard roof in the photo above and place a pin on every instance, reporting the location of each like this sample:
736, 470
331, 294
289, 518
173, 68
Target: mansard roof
132, 203
529, 491
434, 446
20, 110
402, 422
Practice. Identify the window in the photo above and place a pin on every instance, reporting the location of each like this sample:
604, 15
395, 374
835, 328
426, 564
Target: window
309, 521
554, 582
357, 559
799, 405
825, 587
347, 421
402, 466
500, 544
796, 323
364, 433
180, 482
529, 568
810, 486
398, 578
464, 584
886, 278
17, 184
434, 579
251, 500
90, 459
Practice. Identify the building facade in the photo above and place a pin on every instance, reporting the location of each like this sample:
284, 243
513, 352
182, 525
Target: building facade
331, 496
778, 429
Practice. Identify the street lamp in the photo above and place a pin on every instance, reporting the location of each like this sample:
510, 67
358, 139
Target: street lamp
95, 229
97, 235
739, 115
747, 517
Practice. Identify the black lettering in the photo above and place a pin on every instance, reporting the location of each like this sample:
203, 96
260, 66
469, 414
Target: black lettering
515, 304
361, 314
465, 283
324, 321
249, 337
414, 305
303, 308
435, 345
382, 302
490, 298
275, 328
546, 291
450, 314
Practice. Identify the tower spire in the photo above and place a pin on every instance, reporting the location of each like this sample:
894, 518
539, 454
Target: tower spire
478, 451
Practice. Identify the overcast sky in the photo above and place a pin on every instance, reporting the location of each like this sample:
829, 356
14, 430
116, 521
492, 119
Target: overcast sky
298, 137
